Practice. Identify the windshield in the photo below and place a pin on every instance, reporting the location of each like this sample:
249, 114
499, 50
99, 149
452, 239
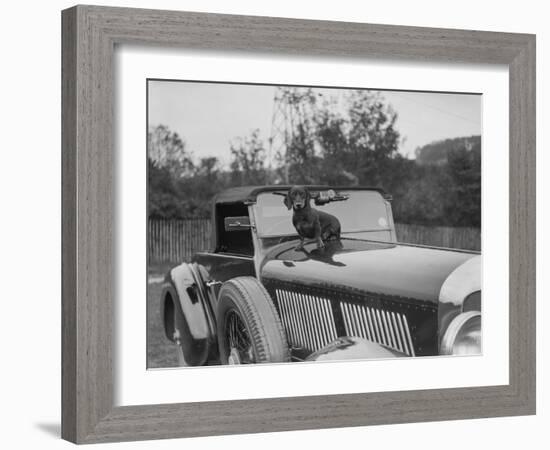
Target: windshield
363, 211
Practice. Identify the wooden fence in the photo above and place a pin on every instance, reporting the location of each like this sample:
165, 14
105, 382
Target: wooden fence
463, 238
173, 241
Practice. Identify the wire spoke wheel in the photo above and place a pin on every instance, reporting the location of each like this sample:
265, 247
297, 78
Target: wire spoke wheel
248, 326
239, 346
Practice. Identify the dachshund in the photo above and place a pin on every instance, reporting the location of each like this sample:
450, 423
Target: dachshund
310, 223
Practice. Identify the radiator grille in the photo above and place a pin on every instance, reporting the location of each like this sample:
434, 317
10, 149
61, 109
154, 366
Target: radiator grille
307, 319
384, 327
309, 322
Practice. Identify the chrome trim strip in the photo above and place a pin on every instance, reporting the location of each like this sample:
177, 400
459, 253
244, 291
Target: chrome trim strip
316, 303
375, 325
387, 320
406, 347
396, 328
323, 329
398, 332
358, 321
310, 318
366, 323
307, 319
347, 321
285, 318
383, 327
307, 329
299, 318
358, 327
371, 325
409, 340
329, 319
295, 320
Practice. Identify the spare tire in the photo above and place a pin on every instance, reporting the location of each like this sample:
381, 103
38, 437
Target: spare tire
248, 326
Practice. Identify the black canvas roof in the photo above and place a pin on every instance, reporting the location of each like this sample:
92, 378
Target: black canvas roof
248, 194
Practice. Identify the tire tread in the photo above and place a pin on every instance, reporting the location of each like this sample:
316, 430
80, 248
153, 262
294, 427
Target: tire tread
261, 316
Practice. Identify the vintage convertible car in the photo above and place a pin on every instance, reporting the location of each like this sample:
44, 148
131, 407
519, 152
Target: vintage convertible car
255, 298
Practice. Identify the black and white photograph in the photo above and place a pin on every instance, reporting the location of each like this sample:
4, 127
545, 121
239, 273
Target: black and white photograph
267, 225
311, 223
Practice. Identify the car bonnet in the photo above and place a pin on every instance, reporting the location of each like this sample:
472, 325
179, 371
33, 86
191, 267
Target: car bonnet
353, 265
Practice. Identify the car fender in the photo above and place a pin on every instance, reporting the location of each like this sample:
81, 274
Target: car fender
191, 316
345, 348
461, 283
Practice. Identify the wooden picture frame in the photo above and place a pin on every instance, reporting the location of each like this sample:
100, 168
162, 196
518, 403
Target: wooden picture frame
90, 34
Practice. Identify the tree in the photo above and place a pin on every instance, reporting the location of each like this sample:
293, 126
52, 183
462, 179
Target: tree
423, 197
164, 199
166, 149
351, 142
197, 189
464, 171
444, 185
178, 186
358, 144
299, 165
437, 152
248, 160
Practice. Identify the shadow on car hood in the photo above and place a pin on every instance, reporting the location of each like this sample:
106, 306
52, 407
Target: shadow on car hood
373, 267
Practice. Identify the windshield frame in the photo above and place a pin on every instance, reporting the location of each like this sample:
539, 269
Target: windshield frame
389, 216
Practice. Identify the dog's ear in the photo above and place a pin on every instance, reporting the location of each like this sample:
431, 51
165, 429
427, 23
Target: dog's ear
308, 196
287, 201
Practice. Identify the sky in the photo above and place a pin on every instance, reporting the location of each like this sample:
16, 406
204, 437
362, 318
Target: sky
208, 116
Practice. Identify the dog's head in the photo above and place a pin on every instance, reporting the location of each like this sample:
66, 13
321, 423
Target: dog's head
297, 198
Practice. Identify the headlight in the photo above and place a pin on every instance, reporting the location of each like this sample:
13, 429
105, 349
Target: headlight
463, 336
